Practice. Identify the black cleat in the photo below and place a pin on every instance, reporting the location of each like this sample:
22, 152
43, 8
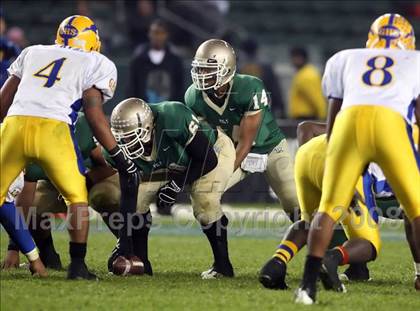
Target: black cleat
148, 267
356, 273
273, 274
329, 275
78, 270
51, 260
115, 253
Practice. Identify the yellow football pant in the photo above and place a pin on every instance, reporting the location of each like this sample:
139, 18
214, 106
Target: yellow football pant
309, 171
48, 143
364, 134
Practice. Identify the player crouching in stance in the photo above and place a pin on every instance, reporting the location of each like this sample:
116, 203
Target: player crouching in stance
48, 85
168, 135
377, 90
360, 224
13, 222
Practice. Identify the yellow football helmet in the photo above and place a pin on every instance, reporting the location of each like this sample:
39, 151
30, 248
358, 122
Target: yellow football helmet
391, 31
79, 32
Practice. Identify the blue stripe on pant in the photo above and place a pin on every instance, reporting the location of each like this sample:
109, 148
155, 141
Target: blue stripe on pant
369, 197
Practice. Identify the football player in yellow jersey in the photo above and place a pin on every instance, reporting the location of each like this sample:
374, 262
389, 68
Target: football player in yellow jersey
374, 94
360, 224
47, 86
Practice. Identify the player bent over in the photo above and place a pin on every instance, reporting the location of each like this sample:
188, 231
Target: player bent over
360, 224
167, 135
48, 85
12, 221
375, 109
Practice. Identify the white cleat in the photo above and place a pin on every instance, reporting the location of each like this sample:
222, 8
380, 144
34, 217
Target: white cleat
211, 274
302, 297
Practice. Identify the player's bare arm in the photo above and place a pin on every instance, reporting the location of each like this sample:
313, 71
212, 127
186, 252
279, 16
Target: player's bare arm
307, 130
333, 109
92, 105
100, 169
7, 93
248, 130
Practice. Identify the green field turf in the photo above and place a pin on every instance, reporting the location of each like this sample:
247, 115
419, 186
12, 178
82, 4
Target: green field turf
178, 257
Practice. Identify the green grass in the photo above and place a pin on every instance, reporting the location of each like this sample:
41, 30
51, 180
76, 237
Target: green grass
178, 260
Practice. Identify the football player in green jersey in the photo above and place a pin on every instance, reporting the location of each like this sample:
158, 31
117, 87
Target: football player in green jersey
40, 193
239, 105
168, 135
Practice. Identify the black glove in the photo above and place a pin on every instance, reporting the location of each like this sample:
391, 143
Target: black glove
123, 164
166, 195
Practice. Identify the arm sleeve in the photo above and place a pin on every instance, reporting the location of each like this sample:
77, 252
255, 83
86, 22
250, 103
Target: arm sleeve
103, 76
203, 159
16, 68
332, 82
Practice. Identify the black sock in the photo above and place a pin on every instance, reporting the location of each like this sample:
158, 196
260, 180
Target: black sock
111, 226
216, 233
142, 223
77, 251
311, 271
335, 255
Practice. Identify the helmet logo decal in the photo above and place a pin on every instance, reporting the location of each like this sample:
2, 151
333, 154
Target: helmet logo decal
68, 31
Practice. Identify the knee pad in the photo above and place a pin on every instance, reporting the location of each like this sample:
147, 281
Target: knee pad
104, 198
207, 209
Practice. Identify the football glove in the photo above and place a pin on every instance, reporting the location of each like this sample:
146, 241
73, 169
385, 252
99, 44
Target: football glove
166, 195
122, 163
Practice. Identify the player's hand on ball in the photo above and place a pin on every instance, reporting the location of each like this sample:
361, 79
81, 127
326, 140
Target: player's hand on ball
166, 196
130, 265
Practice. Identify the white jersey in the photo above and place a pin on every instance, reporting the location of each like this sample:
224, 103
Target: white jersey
53, 79
15, 188
384, 77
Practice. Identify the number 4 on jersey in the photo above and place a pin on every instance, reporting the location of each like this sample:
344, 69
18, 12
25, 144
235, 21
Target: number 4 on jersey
50, 72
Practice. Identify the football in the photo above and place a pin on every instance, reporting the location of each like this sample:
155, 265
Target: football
417, 283
127, 266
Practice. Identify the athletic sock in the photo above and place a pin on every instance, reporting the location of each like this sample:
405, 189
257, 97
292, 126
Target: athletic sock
286, 251
13, 223
311, 271
340, 255
142, 224
216, 233
77, 251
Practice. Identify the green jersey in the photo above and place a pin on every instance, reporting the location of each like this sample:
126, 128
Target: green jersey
83, 137
175, 127
246, 96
